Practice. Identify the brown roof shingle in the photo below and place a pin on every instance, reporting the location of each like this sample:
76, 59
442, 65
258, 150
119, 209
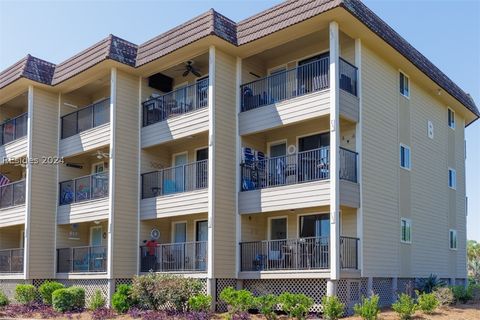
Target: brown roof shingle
29, 67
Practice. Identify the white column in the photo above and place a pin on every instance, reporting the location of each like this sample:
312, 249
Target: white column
370, 286
334, 155
139, 166
238, 220
358, 136
211, 172
394, 288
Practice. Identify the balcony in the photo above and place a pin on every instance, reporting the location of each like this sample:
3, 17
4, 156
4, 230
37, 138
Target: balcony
86, 259
11, 261
85, 129
311, 253
175, 190
83, 199
13, 142
296, 95
174, 257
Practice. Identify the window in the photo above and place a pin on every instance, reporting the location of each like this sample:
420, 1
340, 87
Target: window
404, 85
452, 178
451, 118
406, 230
453, 239
405, 157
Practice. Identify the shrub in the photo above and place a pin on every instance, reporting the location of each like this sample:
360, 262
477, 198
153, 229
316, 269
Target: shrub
368, 309
78, 297
474, 290
122, 299
3, 299
295, 305
200, 302
461, 294
238, 301
266, 305
68, 299
429, 284
333, 309
427, 302
103, 313
97, 301
25, 293
153, 291
46, 290
405, 306
444, 296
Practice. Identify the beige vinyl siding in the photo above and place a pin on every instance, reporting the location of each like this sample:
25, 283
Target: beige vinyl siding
175, 128
12, 216
64, 241
83, 211
349, 194
349, 106
224, 110
165, 225
10, 237
43, 181
287, 112
85, 141
13, 150
253, 65
184, 203
381, 221
302, 195
125, 186
348, 222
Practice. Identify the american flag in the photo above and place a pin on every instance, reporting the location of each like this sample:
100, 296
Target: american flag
4, 180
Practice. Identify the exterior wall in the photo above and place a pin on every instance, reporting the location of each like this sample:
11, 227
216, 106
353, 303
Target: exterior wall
12, 216
63, 240
43, 197
224, 155
91, 210
124, 191
165, 226
13, 150
85, 141
10, 238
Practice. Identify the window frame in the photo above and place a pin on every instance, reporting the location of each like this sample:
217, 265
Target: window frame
404, 146
453, 124
452, 186
406, 93
453, 235
408, 222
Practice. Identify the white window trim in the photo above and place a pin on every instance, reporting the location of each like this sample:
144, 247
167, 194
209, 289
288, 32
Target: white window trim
454, 118
454, 185
409, 221
450, 240
172, 232
409, 84
409, 168
269, 226
275, 143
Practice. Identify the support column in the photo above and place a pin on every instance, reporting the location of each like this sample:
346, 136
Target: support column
394, 288
334, 156
370, 286
212, 291
238, 145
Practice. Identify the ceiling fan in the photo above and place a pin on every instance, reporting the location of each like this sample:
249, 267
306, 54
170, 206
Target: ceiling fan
101, 155
189, 68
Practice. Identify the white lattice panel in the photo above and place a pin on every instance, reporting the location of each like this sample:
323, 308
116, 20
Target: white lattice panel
405, 285
8, 287
314, 288
90, 286
383, 287
221, 284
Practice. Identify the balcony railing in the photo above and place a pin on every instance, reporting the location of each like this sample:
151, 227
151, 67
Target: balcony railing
11, 261
82, 259
348, 77
86, 118
348, 165
89, 187
13, 129
296, 254
12, 194
184, 178
310, 77
174, 257
177, 102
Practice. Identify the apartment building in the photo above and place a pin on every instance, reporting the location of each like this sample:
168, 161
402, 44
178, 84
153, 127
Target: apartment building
308, 148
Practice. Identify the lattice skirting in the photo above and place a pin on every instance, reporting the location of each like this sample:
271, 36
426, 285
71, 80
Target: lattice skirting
8, 286
405, 285
90, 285
221, 284
383, 287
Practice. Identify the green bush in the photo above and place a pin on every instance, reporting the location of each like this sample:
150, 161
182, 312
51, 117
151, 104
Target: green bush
266, 305
200, 302
427, 302
68, 299
25, 293
122, 299
46, 290
238, 301
3, 299
444, 296
333, 309
97, 301
429, 284
295, 305
474, 290
405, 306
153, 291
461, 294
368, 309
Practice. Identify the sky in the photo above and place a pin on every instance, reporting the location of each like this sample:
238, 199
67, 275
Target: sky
446, 32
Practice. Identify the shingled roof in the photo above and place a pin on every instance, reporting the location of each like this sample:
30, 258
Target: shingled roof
29, 67
277, 18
